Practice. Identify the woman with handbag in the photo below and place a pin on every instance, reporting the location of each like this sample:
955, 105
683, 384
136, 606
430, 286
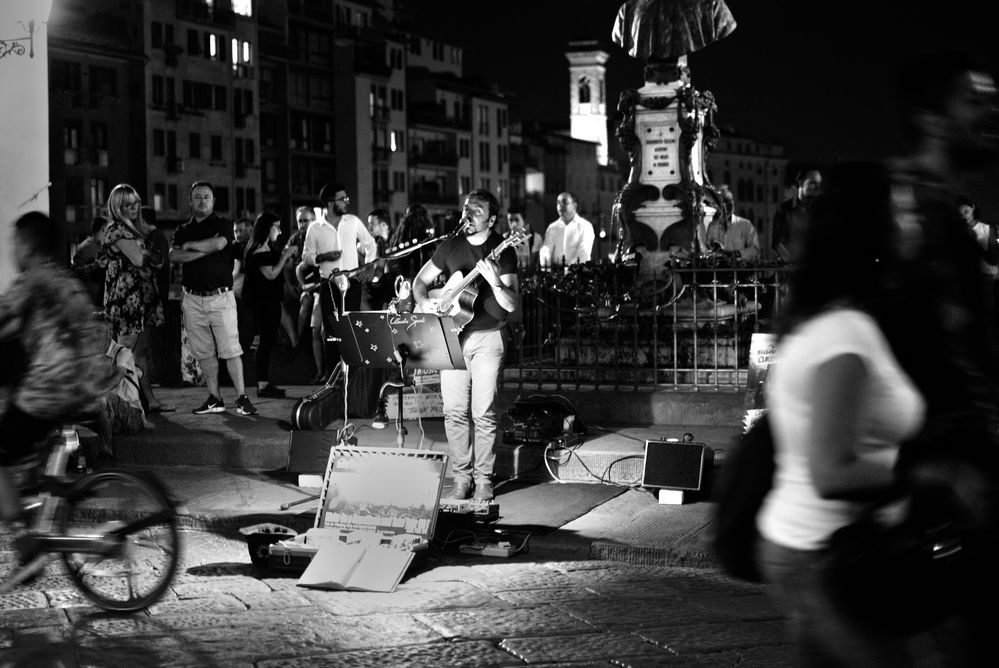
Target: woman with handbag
839, 406
131, 295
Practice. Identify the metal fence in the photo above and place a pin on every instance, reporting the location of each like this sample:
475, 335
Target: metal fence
595, 327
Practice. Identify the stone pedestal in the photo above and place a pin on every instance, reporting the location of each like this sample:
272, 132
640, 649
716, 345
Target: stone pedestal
666, 130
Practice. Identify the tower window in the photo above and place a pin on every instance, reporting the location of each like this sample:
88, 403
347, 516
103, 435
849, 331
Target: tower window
584, 91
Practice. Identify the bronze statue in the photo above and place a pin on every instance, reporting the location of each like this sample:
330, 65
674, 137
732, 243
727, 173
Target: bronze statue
662, 32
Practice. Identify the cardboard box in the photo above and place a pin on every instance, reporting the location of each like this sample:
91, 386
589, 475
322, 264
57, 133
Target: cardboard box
424, 401
377, 508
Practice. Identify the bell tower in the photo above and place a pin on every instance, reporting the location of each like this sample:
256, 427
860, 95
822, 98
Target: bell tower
588, 94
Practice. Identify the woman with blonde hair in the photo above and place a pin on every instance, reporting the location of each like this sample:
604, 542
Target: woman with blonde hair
131, 298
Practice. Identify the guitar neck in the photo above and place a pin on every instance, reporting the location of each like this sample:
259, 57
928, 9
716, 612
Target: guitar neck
467, 281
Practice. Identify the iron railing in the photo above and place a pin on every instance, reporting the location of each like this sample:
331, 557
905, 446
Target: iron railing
597, 327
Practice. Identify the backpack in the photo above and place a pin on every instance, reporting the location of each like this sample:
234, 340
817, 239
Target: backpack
540, 418
746, 478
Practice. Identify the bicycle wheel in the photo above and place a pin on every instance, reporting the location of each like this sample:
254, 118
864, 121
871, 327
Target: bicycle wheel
132, 510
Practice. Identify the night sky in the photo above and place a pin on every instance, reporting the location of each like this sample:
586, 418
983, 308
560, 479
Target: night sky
812, 75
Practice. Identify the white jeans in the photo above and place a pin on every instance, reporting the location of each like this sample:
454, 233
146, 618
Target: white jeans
469, 398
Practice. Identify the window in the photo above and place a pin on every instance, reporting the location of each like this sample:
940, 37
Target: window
98, 191
216, 143
465, 186
243, 7
193, 42
219, 102
158, 97
159, 143
99, 138
483, 111
415, 45
584, 90
194, 145
268, 130
395, 58
396, 141
438, 51
159, 196
464, 148
71, 141
399, 182
103, 81
500, 122
66, 76
240, 55
485, 156
397, 99
156, 35
221, 199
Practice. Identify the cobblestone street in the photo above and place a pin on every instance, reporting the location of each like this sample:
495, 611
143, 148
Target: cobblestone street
453, 611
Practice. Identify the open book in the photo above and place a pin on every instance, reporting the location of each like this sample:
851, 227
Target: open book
356, 567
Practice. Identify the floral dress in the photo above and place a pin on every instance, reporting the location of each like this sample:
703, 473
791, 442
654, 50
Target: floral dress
131, 297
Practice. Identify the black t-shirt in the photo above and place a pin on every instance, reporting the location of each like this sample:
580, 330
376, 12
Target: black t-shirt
214, 270
256, 287
459, 255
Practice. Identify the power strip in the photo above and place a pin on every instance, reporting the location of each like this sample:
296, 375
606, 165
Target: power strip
501, 549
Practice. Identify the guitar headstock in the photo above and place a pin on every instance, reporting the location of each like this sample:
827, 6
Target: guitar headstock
511, 241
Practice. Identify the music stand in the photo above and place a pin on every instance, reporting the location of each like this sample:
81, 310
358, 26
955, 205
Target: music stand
383, 339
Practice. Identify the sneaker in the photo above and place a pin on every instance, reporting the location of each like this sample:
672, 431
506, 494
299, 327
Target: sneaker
461, 491
244, 407
483, 491
212, 405
270, 392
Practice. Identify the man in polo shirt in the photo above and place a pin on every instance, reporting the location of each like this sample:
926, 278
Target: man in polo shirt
569, 239
204, 246
331, 243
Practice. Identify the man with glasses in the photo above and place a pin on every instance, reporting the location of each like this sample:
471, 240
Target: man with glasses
204, 246
331, 244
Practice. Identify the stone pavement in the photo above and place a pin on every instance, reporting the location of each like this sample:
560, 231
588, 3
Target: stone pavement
451, 611
608, 577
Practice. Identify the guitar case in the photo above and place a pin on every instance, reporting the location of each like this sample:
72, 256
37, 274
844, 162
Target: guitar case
324, 406
319, 409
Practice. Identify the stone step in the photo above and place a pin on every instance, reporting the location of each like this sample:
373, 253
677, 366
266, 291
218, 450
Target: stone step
612, 450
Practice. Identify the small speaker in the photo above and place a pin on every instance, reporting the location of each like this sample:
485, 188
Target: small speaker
673, 465
309, 451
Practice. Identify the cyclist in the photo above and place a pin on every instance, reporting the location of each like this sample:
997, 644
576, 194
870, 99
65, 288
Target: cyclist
52, 350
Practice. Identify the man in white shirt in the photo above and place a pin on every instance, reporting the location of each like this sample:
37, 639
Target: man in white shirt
331, 243
569, 239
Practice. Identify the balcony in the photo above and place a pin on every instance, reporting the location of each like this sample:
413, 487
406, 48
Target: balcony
426, 113
428, 194
199, 12
435, 158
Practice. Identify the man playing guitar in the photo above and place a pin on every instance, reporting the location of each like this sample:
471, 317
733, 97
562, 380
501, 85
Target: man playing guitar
469, 395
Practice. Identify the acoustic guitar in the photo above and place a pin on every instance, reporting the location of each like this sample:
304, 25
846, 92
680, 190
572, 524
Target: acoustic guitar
458, 295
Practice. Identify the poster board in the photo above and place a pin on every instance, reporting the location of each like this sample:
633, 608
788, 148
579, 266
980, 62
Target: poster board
762, 349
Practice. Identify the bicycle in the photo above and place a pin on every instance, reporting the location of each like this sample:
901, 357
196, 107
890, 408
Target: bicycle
115, 529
